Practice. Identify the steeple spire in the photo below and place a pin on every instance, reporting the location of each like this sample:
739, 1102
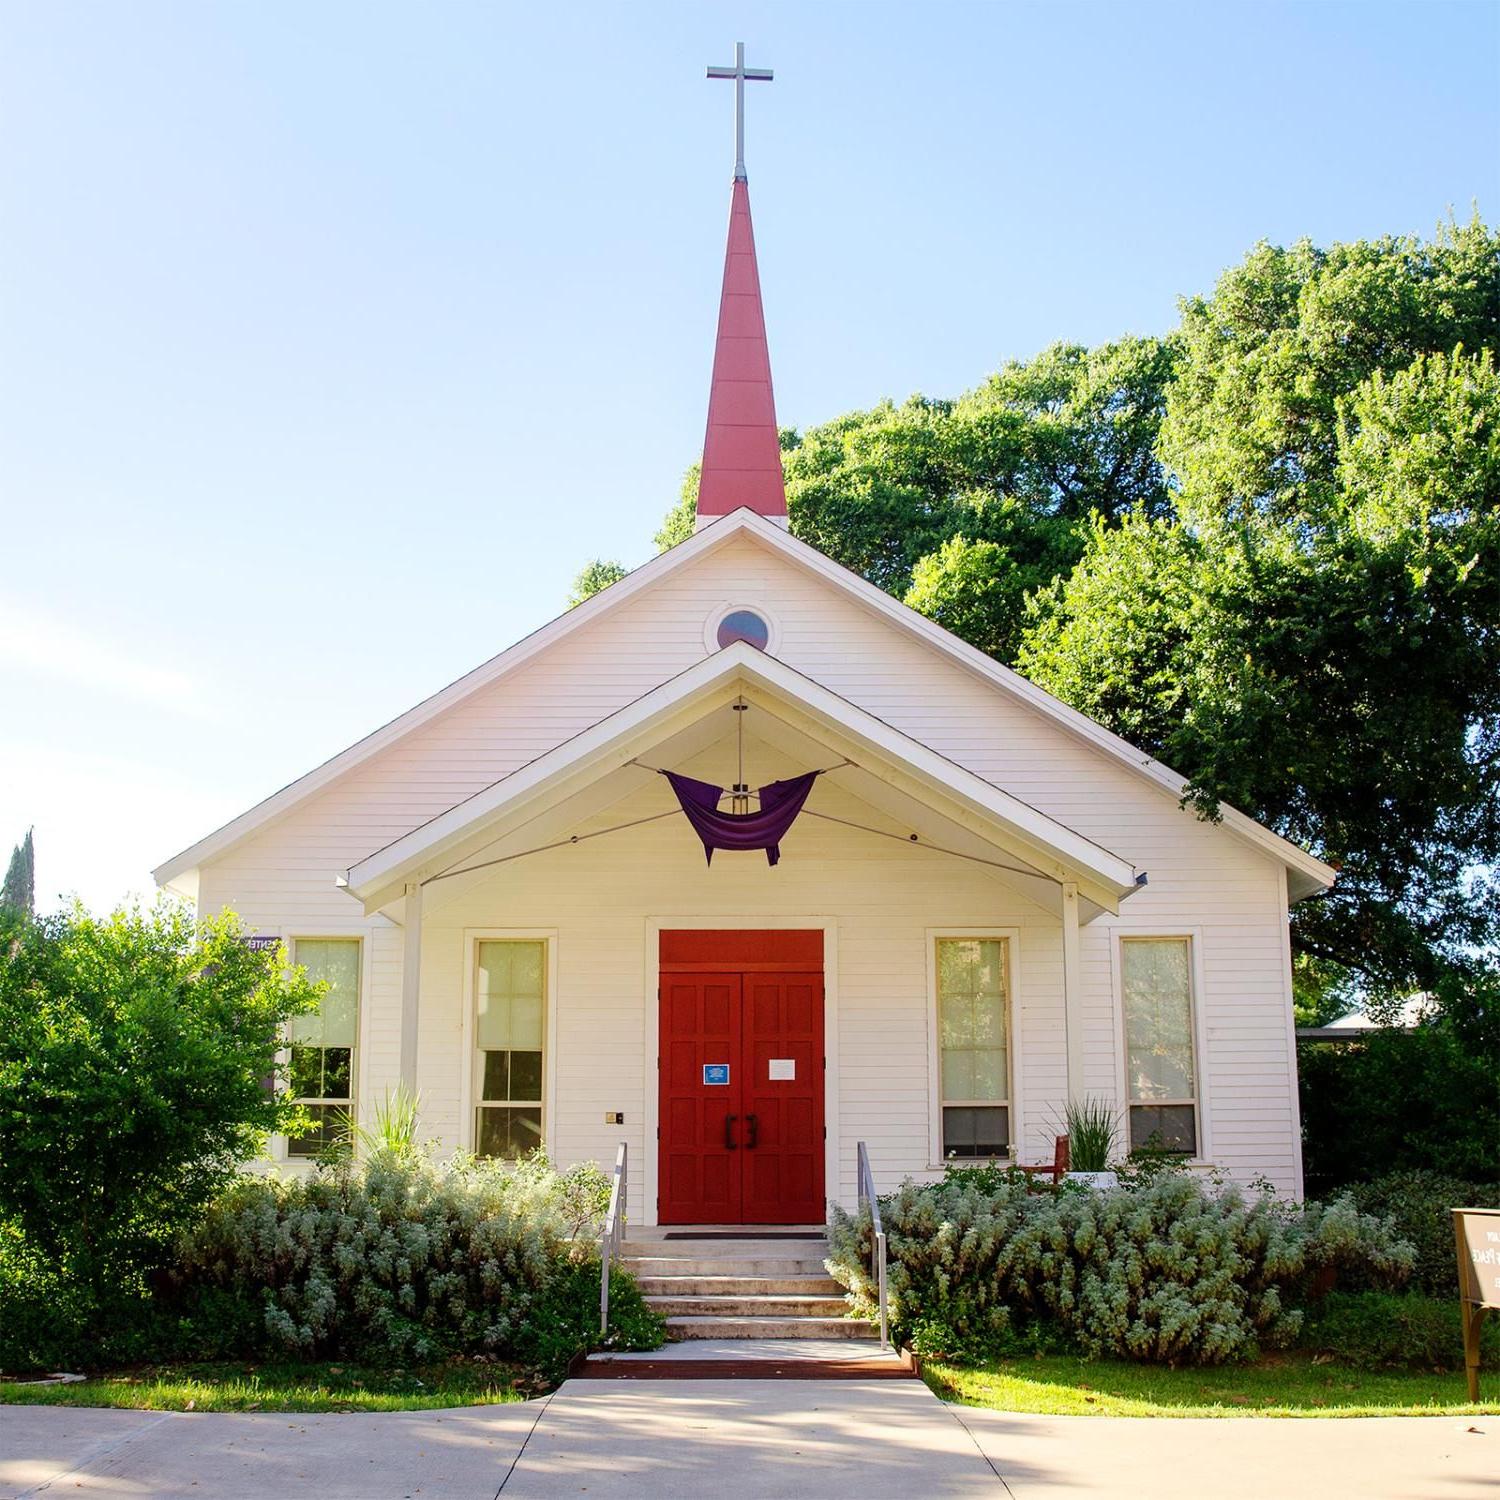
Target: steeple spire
741, 451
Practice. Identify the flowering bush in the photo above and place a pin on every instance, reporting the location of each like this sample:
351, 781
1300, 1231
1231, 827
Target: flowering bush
1168, 1270
396, 1257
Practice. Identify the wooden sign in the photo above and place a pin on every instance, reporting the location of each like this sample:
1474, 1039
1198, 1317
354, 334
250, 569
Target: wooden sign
1476, 1233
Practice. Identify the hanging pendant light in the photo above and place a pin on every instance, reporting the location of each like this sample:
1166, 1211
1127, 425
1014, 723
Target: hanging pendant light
739, 799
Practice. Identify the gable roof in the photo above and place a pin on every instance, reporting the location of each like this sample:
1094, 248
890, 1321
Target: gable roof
1305, 873
1050, 847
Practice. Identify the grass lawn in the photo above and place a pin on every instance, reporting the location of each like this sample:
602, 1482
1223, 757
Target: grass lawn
249, 1386
1287, 1386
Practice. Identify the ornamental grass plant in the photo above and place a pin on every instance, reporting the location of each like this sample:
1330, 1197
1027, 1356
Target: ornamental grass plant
1169, 1270
1093, 1134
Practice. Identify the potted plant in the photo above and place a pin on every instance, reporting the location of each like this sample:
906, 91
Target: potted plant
1092, 1137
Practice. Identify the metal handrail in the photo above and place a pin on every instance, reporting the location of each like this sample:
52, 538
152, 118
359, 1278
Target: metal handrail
614, 1232
867, 1195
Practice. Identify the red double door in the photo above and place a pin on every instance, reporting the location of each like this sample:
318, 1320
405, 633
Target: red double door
741, 1069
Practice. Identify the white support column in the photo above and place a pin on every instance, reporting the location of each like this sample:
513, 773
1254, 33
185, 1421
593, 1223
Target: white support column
411, 984
1072, 988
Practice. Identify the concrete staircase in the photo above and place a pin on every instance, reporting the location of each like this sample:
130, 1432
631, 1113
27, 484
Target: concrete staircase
742, 1288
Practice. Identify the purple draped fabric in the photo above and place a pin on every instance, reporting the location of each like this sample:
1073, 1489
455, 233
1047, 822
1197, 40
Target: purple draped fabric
780, 802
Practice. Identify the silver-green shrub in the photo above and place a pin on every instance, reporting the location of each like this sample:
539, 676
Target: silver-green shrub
1170, 1270
398, 1256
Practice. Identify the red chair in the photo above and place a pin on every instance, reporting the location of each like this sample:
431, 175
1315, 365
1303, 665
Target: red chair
1056, 1167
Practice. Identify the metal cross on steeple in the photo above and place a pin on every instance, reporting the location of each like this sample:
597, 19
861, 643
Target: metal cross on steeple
740, 73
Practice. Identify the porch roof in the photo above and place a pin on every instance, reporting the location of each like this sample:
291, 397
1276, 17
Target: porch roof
893, 759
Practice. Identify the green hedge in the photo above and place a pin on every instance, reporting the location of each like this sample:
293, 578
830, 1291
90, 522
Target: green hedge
1165, 1270
1375, 1330
1398, 1101
1418, 1204
392, 1259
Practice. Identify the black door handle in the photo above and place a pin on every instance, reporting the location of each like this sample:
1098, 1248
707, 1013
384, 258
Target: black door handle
754, 1125
729, 1141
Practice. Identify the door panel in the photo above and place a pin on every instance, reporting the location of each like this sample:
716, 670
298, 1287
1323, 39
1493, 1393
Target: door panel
700, 1024
783, 1033
767, 1168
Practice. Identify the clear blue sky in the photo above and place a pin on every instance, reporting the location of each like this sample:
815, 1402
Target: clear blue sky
335, 337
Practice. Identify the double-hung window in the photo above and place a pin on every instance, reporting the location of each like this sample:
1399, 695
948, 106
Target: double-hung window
973, 1046
510, 1006
321, 1044
1157, 987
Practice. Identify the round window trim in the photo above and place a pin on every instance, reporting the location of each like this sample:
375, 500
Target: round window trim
723, 615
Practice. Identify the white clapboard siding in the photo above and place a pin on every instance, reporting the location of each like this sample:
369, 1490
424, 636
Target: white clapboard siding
1203, 880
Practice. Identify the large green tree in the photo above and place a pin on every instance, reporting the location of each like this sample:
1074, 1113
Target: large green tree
138, 1057
1314, 635
1023, 461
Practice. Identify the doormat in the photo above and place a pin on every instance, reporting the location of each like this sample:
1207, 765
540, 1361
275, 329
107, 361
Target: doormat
748, 1234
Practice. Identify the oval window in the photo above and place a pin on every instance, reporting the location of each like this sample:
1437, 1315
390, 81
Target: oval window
744, 625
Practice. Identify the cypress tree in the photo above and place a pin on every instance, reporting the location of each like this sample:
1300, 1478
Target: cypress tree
19, 890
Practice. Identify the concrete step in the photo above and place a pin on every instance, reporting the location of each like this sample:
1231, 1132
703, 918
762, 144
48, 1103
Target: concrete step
731, 1245
721, 1264
749, 1307
698, 1326
688, 1285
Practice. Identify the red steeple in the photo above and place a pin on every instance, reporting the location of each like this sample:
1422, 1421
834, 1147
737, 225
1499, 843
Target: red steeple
741, 453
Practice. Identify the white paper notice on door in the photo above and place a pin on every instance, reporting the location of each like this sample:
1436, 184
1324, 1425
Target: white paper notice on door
782, 1069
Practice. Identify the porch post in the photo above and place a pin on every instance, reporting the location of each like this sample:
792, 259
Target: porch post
411, 979
1072, 988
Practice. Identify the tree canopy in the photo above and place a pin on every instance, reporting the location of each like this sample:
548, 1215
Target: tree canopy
593, 577
1265, 548
1310, 633
138, 1070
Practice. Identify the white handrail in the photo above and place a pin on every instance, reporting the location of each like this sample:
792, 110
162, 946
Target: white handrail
614, 1232
867, 1195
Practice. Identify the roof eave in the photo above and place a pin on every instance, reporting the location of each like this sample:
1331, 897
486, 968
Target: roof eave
1103, 877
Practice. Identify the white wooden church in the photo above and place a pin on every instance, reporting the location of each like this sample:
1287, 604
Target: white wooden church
983, 906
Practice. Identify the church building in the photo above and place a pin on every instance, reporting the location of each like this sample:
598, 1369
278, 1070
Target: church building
743, 863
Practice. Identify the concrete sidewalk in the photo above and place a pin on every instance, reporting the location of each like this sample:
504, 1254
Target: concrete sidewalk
737, 1440
460, 1453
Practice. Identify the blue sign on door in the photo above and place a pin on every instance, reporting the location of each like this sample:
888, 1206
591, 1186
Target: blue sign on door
716, 1072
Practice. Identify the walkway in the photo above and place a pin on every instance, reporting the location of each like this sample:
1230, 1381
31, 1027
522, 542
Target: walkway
735, 1440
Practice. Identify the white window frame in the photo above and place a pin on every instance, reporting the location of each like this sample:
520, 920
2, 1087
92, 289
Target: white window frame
728, 607
468, 1078
279, 1144
1015, 1122
1193, 937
